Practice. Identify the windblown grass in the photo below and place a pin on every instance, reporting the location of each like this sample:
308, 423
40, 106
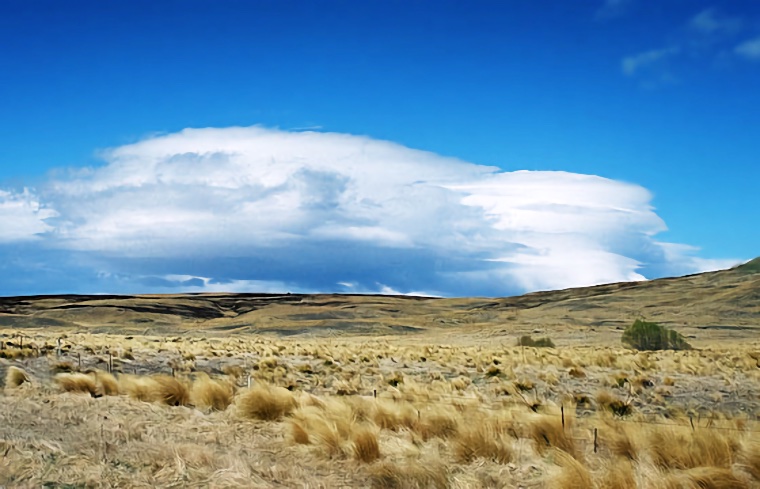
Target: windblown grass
77, 382
266, 402
210, 394
352, 413
15, 376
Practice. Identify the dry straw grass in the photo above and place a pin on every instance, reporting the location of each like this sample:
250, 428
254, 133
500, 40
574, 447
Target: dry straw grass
138, 388
365, 445
410, 474
680, 448
15, 376
209, 394
703, 478
266, 402
78, 382
573, 475
454, 418
170, 391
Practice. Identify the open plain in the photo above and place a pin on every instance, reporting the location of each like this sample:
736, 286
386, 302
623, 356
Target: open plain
254, 390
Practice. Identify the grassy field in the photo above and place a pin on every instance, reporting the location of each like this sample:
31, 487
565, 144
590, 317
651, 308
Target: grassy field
350, 391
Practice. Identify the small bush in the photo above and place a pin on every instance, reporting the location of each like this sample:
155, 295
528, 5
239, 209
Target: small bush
643, 335
537, 343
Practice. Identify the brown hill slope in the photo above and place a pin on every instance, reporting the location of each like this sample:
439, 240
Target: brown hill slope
723, 304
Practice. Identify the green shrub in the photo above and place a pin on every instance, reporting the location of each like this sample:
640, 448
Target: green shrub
643, 335
537, 343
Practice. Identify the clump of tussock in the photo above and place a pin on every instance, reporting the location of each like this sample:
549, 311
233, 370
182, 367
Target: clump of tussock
139, 388
266, 402
62, 367
547, 432
460, 383
573, 475
576, 372
210, 394
681, 448
331, 424
107, 385
365, 445
235, 371
610, 402
393, 416
411, 474
619, 440
15, 376
617, 474
438, 421
703, 477
483, 441
299, 433
749, 458
77, 382
170, 391
17, 353
493, 371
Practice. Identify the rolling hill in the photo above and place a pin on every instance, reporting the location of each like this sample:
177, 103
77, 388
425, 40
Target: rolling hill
723, 304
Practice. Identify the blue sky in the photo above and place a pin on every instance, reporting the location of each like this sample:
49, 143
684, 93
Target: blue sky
639, 120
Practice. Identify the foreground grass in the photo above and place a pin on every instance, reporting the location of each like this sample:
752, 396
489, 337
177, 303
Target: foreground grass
372, 413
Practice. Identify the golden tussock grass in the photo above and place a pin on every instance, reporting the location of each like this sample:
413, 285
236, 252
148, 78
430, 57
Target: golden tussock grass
139, 388
617, 474
107, 383
620, 439
15, 376
573, 474
605, 400
170, 391
266, 402
438, 421
703, 478
469, 427
365, 445
298, 433
547, 433
482, 441
77, 382
210, 394
410, 474
749, 458
682, 448
393, 415
62, 367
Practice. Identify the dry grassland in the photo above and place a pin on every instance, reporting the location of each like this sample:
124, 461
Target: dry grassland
441, 411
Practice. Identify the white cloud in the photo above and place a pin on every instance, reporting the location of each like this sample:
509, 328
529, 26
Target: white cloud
683, 259
22, 216
749, 49
709, 21
263, 209
635, 63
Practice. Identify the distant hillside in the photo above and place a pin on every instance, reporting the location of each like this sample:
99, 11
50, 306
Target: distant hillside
723, 303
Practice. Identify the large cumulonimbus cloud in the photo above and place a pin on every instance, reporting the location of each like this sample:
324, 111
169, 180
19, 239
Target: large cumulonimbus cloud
263, 209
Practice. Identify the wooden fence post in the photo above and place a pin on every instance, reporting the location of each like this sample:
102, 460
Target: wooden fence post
596, 444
